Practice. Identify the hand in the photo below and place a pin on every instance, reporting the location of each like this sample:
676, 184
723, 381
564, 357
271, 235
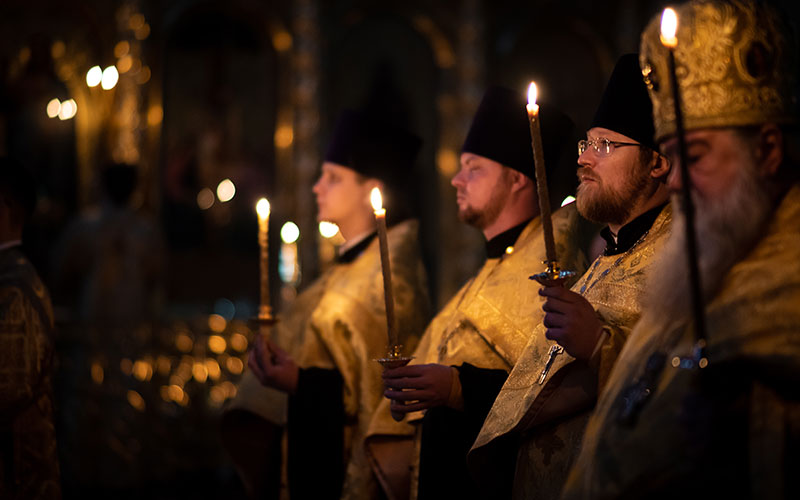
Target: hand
427, 386
571, 321
273, 366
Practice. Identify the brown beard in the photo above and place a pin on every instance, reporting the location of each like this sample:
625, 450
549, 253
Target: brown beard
609, 206
482, 218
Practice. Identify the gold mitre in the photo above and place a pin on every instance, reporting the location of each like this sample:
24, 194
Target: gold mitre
735, 65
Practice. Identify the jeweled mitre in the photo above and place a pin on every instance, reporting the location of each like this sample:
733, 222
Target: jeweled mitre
735, 65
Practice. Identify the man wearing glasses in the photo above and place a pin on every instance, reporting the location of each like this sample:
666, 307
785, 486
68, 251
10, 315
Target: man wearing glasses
543, 407
670, 423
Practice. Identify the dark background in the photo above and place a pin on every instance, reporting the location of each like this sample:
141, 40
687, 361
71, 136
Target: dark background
247, 90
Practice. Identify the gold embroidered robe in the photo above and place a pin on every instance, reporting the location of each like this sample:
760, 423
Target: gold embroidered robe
548, 420
339, 323
28, 454
486, 324
731, 430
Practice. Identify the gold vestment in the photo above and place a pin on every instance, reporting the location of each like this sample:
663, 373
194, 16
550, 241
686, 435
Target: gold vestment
339, 323
683, 441
28, 454
549, 419
486, 324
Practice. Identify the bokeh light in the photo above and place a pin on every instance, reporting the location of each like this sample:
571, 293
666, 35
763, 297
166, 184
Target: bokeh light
226, 190
290, 232
110, 78
94, 76
205, 199
328, 229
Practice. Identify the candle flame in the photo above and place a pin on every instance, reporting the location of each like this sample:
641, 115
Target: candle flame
669, 26
262, 208
376, 199
532, 94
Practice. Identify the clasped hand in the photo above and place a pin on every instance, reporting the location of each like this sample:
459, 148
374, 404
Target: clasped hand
417, 387
273, 366
571, 321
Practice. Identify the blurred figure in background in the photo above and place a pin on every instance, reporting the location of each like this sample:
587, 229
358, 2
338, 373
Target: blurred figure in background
109, 262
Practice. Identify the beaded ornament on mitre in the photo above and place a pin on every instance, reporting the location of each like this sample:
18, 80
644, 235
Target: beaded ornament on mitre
735, 64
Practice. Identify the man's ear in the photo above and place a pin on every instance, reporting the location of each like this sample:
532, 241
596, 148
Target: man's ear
660, 167
770, 149
519, 180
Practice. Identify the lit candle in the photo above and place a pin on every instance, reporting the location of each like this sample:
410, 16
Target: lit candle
669, 30
262, 209
541, 175
380, 222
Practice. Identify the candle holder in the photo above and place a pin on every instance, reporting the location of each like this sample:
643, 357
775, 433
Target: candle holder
264, 320
394, 359
553, 275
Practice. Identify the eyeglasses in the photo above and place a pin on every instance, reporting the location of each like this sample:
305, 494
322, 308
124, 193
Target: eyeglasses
602, 146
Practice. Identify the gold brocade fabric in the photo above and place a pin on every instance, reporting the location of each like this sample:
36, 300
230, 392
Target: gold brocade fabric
28, 455
488, 322
348, 332
550, 417
731, 426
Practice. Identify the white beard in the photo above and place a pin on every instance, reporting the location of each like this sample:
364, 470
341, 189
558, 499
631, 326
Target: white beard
726, 231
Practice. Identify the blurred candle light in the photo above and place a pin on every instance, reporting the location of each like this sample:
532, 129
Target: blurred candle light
226, 190
287, 266
68, 110
290, 232
239, 342
217, 323
94, 76
284, 135
124, 64
262, 210
110, 78
53, 108
135, 399
234, 365
217, 344
142, 32
98, 374
205, 199
184, 342
122, 48
213, 369
143, 75
328, 229
200, 372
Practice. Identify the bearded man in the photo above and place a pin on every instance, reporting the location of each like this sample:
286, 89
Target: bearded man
541, 410
669, 423
468, 349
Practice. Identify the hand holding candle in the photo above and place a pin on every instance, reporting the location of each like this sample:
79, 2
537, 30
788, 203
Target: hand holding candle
394, 359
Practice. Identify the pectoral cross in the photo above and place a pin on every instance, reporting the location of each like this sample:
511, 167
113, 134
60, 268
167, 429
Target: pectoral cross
554, 351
